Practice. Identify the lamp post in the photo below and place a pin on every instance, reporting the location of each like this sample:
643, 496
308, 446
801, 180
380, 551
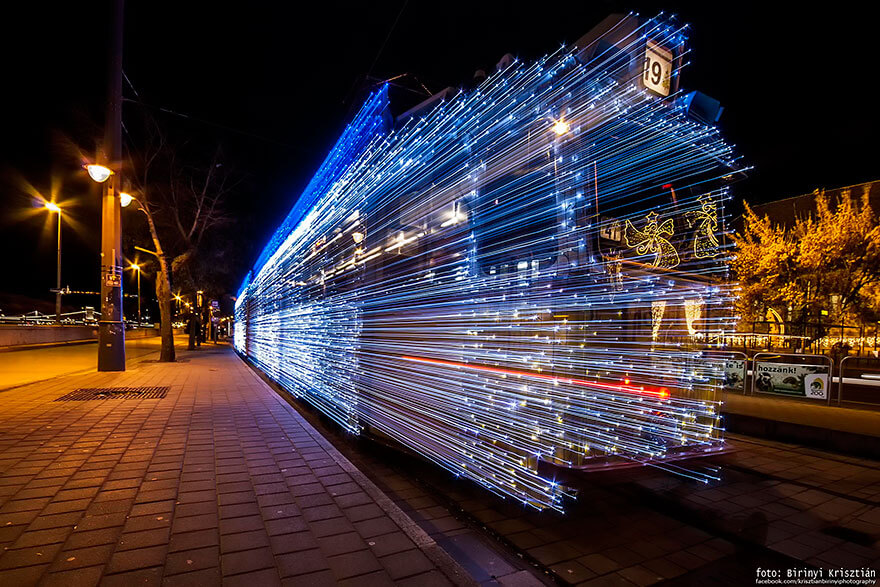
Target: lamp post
137, 269
53, 207
111, 329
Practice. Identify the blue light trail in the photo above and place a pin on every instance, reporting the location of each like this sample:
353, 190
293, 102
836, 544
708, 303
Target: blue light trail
531, 271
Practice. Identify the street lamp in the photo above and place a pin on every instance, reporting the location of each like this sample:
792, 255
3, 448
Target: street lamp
99, 173
137, 268
53, 207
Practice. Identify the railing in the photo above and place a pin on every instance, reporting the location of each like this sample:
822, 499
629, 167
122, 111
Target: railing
809, 378
864, 388
855, 380
35, 318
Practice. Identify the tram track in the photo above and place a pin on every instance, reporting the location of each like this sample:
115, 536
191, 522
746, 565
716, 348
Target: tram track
747, 535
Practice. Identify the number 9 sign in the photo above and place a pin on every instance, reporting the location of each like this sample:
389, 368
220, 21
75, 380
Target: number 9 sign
658, 69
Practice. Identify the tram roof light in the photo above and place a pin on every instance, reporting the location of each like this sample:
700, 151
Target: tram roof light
561, 127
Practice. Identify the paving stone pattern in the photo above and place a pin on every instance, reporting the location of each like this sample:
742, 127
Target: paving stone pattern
219, 482
811, 505
408, 480
776, 505
605, 538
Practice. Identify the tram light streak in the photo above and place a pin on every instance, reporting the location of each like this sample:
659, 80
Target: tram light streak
450, 284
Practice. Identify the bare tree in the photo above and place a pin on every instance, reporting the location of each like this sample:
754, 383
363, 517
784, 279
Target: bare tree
182, 203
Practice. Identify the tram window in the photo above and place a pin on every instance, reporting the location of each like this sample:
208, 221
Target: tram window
515, 222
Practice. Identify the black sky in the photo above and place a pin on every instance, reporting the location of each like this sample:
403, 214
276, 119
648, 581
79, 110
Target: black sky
276, 83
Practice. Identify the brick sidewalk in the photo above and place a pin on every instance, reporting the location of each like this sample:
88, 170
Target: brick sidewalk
218, 482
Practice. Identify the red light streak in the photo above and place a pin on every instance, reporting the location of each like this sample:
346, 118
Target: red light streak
662, 393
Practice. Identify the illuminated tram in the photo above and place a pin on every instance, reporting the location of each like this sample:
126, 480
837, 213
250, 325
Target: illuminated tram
529, 272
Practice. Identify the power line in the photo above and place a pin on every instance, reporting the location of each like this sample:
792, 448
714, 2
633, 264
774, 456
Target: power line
388, 36
378, 54
226, 127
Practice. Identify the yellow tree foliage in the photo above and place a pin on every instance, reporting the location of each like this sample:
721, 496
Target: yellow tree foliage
829, 260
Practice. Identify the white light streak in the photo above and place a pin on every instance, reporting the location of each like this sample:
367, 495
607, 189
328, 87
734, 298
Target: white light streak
478, 309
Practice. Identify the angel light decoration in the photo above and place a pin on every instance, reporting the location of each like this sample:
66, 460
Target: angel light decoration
651, 239
706, 220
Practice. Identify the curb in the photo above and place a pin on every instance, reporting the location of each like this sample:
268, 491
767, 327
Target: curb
441, 559
850, 443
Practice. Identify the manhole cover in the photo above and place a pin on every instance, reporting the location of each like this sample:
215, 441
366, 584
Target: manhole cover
91, 393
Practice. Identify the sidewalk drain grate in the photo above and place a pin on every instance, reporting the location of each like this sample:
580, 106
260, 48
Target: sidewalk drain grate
91, 393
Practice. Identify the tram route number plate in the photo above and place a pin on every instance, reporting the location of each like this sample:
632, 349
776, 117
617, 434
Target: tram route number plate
658, 69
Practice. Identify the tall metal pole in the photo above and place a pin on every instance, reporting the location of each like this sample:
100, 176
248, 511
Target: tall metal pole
111, 329
58, 276
139, 297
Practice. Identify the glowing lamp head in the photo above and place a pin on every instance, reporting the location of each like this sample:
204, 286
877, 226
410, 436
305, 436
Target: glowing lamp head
561, 127
135, 266
125, 199
52, 207
358, 237
99, 173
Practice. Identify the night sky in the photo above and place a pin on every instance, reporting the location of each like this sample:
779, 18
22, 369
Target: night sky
275, 84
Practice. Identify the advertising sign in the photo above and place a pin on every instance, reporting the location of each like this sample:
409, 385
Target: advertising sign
810, 381
735, 374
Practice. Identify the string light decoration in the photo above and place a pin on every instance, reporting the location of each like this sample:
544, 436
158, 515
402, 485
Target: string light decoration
693, 311
651, 240
444, 283
706, 220
658, 310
